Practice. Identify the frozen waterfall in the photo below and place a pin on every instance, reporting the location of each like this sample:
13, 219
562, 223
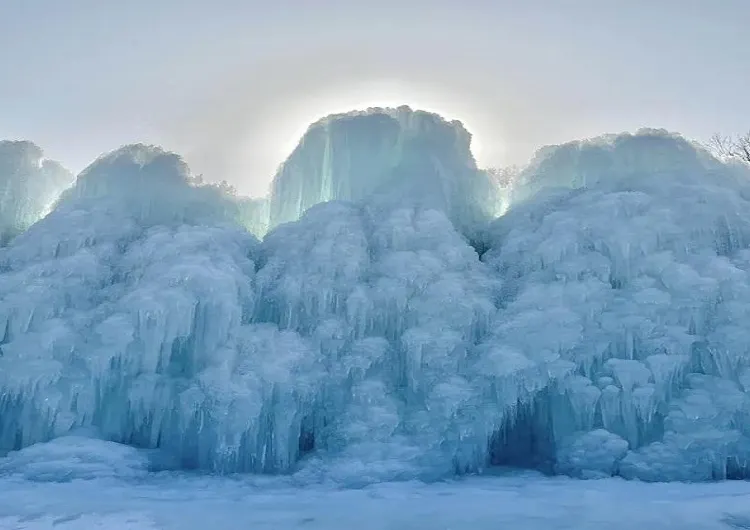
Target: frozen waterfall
601, 332
385, 157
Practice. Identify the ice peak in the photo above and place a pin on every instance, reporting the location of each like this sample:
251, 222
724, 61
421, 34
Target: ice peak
131, 169
624, 160
386, 156
154, 185
29, 183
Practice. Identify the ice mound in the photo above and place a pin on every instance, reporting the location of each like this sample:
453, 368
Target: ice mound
111, 304
29, 184
150, 186
392, 156
613, 158
392, 306
639, 277
75, 457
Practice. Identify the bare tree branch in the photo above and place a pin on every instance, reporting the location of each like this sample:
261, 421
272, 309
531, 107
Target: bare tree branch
727, 147
743, 142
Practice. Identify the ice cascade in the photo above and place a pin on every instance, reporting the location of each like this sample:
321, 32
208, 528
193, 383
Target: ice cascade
601, 332
383, 156
629, 259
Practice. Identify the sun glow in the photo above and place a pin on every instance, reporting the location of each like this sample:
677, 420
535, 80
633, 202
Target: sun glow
379, 94
276, 134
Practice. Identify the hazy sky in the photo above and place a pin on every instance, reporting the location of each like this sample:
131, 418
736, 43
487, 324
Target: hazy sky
232, 84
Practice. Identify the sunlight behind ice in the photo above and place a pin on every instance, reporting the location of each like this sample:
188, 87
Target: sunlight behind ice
387, 328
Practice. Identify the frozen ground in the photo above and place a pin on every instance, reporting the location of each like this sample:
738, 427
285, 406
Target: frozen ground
80, 483
525, 502
77, 482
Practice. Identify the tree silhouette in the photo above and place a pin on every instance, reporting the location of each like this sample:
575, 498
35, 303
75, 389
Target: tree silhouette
734, 147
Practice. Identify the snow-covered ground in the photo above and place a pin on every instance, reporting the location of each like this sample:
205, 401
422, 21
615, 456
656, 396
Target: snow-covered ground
80, 483
519, 501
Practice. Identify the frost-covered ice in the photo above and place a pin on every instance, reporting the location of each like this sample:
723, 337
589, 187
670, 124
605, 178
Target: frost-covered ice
113, 302
385, 157
29, 184
254, 214
639, 276
104, 487
601, 332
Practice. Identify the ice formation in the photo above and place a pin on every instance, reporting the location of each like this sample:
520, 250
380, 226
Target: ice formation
76, 457
385, 156
637, 276
602, 331
29, 184
254, 214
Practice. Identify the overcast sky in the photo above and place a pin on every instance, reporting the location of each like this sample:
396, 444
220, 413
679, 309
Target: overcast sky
232, 84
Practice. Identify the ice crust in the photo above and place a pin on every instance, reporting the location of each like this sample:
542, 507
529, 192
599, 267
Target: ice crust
602, 332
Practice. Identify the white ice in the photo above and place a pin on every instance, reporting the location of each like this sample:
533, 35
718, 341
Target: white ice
29, 185
385, 157
600, 333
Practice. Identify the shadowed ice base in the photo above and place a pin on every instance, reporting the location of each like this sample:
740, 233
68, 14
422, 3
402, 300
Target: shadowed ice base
110, 488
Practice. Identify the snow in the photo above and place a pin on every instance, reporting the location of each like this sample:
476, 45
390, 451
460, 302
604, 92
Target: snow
104, 486
594, 329
75, 457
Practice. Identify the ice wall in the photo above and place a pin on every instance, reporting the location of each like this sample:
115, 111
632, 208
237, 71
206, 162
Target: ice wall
254, 214
601, 333
112, 305
137, 307
639, 278
386, 157
29, 184
393, 305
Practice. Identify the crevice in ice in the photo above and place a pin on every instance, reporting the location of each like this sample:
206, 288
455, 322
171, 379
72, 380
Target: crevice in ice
480, 246
524, 439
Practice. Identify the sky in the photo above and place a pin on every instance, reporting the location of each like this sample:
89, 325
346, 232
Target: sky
232, 84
